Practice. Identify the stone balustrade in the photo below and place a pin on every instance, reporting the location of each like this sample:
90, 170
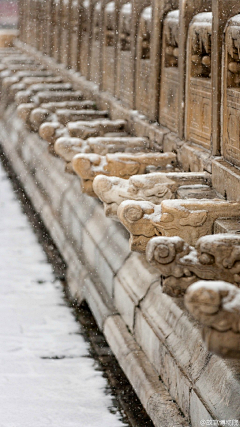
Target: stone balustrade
138, 103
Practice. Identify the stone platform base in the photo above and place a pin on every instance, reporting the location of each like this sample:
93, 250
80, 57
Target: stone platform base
157, 344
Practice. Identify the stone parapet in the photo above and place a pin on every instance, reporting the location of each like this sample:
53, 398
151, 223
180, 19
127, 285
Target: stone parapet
159, 337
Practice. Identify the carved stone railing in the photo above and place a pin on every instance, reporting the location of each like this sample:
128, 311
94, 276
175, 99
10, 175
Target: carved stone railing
184, 93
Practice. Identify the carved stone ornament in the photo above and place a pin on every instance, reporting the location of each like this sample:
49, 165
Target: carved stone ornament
188, 219
60, 111
63, 116
46, 96
51, 131
216, 305
8, 93
124, 165
27, 82
215, 257
87, 129
153, 187
67, 148
28, 95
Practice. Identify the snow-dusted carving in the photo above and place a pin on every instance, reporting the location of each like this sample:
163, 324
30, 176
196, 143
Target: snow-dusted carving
7, 82
60, 111
215, 257
122, 165
216, 305
51, 131
87, 129
28, 95
12, 85
65, 116
153, 187
188, 219
67, 148
39, 98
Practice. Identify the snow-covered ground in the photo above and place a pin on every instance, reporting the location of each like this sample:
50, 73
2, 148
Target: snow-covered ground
46, 375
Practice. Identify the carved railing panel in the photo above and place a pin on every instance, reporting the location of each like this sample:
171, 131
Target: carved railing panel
231, 100
75, 33
65, 28
199, 85
96, 44
188, 9
222, 12
56, 39
169, 96
143, 66
126, 54
110, 46
86, 34
124, 66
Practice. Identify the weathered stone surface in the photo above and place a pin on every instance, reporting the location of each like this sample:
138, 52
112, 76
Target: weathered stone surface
216, 304
199, 89
169, 92
148, 387
88, 129
65, 116
55, 96
230, 101
188, 219
131, 285
158, 311
153, 187
51, 131
67, 148
29, 94
214, 258
88, 166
